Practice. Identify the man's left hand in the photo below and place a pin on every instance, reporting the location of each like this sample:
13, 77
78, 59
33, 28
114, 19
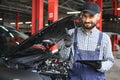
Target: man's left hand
94, 64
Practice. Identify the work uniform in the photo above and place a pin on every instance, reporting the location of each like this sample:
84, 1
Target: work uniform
82, 71
88, 46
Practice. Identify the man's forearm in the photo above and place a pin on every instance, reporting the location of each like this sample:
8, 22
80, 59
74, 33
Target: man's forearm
106, 65
64, 52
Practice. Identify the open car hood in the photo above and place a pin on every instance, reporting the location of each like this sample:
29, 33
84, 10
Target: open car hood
25, 54
56, 31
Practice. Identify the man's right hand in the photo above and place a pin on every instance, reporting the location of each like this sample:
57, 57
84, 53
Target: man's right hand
68, 40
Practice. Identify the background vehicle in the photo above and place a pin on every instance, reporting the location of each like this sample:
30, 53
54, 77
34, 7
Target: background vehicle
22, 56
9, 38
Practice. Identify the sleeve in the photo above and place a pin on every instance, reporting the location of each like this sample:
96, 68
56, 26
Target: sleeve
64, 51
107, 54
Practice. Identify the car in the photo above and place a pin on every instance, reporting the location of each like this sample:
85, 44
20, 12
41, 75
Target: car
10, 37
18, 53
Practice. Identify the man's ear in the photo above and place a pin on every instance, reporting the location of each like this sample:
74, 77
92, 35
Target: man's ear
81, 14
98, 16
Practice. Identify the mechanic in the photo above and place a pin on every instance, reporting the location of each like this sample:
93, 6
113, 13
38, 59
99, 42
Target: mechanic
89, 44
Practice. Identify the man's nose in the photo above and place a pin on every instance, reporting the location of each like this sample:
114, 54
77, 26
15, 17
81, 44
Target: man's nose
87, 19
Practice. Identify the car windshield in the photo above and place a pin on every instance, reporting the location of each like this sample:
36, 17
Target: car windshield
18, 36
9, 38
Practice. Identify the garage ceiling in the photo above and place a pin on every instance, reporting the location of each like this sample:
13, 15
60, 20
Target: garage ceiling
24, 6
10, 7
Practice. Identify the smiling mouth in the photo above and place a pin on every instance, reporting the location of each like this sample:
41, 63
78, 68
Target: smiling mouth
87, 24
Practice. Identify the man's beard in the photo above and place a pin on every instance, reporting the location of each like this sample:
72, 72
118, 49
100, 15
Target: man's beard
89, 28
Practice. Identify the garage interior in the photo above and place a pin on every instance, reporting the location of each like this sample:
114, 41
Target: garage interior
20, 11
18, 14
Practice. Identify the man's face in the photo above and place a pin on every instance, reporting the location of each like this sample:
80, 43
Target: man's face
89, 21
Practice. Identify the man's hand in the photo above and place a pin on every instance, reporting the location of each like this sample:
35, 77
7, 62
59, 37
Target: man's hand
68, 40
94, 64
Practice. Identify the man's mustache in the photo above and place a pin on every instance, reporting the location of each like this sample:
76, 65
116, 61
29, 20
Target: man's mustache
87, 23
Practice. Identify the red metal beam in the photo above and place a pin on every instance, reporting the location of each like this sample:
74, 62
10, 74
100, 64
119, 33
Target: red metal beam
119, 9
52, 10
100, 3
114, 41
52, 17
116, 6
116, 12
17, 20
37, 15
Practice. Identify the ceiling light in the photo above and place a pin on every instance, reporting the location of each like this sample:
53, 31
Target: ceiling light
12, 23
46, 24
20, 23
1, 18
75, 12
15, 23
29, 22
118, 8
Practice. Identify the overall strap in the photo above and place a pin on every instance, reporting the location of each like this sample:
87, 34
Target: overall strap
99, 41
75, 40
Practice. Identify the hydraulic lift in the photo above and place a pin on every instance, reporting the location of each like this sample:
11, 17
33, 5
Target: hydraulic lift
52, 11
17, 20
37, 15
52, 17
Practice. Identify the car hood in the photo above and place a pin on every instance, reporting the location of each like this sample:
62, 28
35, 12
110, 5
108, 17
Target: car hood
56, 31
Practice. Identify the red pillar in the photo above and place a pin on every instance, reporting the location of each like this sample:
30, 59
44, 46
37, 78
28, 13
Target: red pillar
52, 10
116, 12
17, 20
37, 15
114, 41
115, 6
119, 9
52, 17
100, 3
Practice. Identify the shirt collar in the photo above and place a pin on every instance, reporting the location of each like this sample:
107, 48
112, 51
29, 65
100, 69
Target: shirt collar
92, 31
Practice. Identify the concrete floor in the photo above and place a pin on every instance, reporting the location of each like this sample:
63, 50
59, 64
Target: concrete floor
114, 72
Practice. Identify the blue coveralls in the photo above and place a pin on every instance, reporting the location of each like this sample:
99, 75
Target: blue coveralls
82, 71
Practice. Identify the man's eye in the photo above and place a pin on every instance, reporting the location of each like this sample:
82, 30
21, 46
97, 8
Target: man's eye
91, 16
84, 16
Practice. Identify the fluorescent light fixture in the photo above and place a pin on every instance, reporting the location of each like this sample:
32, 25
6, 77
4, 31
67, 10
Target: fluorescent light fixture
1, 19
20, 23
12, 23
46, 24
75, 12
15, 23
118, 8
29, 22
111, 19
